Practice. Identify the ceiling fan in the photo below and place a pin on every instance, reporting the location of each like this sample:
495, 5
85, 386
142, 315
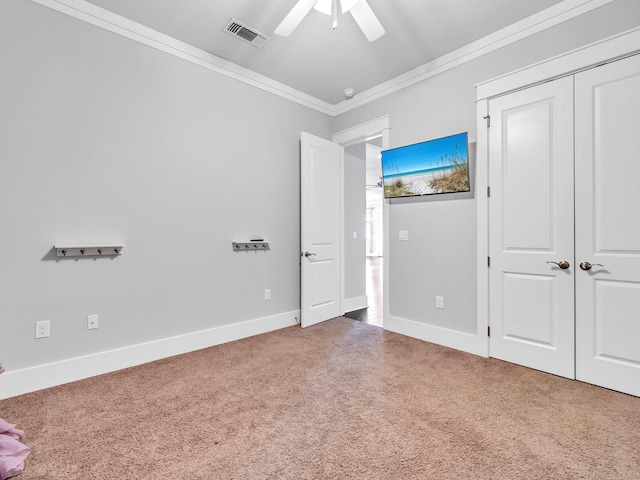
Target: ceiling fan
360, 10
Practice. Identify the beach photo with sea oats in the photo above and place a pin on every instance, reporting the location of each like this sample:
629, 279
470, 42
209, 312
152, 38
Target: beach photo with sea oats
430, 167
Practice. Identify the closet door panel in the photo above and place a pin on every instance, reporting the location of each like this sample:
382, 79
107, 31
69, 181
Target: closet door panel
608, 225
531, 224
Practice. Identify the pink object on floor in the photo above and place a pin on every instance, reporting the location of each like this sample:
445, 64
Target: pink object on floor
12, 452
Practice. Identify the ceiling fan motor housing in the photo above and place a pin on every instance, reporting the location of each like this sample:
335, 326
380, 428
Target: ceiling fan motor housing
325, 6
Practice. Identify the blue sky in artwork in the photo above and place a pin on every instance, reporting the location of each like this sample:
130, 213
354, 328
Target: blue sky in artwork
422, 156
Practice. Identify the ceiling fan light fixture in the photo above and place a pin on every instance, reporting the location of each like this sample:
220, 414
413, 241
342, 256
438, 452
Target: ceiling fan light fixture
359, 9
324, 6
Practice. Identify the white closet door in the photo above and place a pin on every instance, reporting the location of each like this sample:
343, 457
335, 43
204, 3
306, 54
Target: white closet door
608, 225
531, 224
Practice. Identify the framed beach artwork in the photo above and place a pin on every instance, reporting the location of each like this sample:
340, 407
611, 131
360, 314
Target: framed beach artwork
427, 168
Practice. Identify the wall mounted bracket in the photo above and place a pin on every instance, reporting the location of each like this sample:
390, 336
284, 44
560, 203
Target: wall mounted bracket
100, 250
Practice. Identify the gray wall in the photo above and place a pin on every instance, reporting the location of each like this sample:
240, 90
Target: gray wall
440, 256
354, 220
105, 139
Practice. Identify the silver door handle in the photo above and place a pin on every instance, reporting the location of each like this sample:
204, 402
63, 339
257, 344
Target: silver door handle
562, 264
307, 254
587, 266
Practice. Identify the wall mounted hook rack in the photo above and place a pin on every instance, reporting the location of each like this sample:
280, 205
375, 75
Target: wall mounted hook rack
99, 250
250, 246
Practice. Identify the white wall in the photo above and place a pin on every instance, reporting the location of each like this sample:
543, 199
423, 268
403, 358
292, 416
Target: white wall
103, 139
440, 256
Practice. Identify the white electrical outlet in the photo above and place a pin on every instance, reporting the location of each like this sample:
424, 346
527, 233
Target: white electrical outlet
403, 235
439, 302
92, 322
43, 329
355, 235
267, 294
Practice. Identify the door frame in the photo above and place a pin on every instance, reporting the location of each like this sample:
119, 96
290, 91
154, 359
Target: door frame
584, 58
350, 136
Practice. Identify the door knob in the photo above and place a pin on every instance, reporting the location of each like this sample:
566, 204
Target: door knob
307, 254
562, 264
587, 265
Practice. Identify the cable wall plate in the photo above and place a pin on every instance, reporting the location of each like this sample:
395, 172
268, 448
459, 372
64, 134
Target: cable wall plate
100, 250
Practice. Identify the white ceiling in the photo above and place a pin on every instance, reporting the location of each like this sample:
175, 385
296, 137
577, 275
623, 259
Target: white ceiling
322, 62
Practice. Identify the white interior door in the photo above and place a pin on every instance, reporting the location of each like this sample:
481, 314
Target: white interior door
608, 225
531, 224
321, 229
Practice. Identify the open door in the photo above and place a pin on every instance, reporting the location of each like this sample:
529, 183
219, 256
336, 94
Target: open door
321, 229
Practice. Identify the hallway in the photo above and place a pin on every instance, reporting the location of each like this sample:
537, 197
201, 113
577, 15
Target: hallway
374, 314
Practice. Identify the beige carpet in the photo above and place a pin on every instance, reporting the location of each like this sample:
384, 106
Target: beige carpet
341, 400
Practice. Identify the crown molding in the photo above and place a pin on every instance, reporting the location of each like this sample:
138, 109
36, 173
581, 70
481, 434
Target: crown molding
119, 25
607, 50
550, 17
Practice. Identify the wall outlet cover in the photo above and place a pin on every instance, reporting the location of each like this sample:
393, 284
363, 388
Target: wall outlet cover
92, 322
43, 329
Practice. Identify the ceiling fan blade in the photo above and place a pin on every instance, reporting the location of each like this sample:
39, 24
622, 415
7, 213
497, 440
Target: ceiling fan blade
367, 20
294, 17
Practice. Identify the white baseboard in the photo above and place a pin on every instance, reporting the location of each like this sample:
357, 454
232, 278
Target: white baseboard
467, 342
13, 383
355, 303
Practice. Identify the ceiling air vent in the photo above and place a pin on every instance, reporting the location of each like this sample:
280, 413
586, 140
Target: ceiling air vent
244, 33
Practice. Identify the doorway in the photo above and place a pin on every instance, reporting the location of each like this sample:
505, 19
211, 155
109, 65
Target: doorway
349, 246
369, 205
351, 226
374, 218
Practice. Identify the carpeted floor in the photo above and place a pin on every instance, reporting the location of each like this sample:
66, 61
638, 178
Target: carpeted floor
340, 400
